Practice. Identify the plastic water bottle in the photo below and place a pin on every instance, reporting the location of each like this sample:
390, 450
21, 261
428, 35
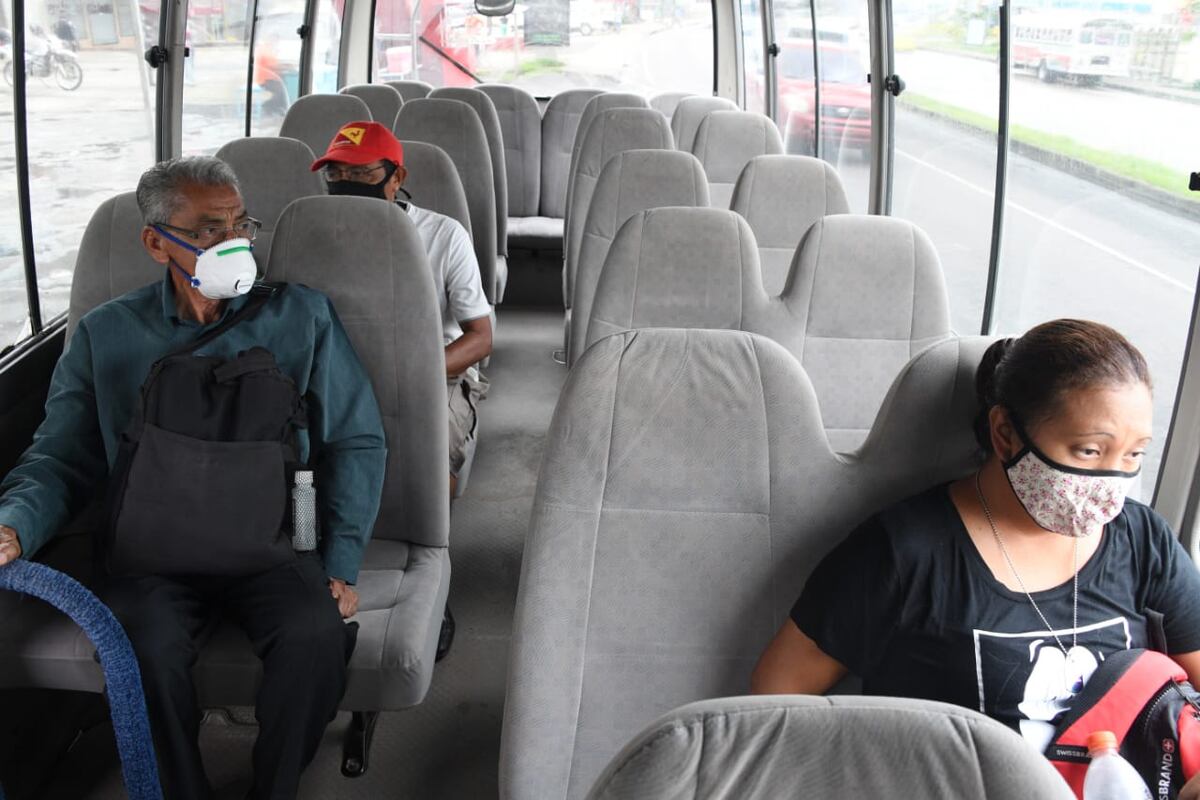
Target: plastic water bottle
1110, 777
304, 512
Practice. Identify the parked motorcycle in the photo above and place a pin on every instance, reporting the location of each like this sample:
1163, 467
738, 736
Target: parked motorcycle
47, 60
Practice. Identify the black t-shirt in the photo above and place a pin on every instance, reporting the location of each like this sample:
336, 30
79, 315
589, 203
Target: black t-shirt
909, 605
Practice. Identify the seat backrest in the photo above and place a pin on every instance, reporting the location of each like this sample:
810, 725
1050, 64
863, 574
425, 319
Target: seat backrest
383, 100
593, 109
755, 748
272, 172
495, 139
866, 294
455, 127
688, 115
316, 118
667, 102
111, 259
612, 132
433, 181
559, 125
367, 257
631, 181
521, 130
411, 90
781, 197
686, 492
725, 143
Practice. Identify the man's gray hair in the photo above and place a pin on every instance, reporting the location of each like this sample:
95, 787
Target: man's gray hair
160, 190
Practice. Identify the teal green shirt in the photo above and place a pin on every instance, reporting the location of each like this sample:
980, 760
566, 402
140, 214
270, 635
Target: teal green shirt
95, 389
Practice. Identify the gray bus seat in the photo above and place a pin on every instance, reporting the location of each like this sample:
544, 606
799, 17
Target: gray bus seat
781, 197
495, 140
433, 181
866, 293
597, 105
454, 126
111, 259
613, 131
316, 118
521, 132
763, 748
631, 181
725, 143
272, 172
690, 112
667, 102
560, 123
411, 90
347, 248
685, 494
383, 100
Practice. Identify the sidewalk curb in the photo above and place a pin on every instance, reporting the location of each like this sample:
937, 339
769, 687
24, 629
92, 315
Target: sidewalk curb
1159, 198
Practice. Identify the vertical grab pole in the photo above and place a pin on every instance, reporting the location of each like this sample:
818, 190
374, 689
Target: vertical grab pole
989, 303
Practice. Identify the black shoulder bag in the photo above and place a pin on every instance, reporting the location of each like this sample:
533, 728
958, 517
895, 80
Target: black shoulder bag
201, 482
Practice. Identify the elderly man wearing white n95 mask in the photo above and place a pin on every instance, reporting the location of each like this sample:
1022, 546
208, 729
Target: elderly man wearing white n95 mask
201, 400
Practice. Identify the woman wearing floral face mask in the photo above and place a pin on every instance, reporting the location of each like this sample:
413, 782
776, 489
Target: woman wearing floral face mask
1004, 590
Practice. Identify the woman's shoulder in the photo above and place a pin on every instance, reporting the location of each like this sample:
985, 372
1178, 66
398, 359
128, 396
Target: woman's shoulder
913, 525
1143, 527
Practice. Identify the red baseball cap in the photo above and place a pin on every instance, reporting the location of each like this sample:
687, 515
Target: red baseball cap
361, 143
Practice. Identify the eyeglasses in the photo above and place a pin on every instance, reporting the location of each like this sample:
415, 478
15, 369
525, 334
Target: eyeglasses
210, 235
335, 172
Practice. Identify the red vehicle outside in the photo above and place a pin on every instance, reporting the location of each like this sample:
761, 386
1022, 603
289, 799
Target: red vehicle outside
845, 97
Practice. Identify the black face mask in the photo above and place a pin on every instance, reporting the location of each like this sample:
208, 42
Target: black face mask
356, 189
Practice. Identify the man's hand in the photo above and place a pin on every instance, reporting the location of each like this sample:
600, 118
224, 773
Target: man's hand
1191, 790
347, 598
10, 546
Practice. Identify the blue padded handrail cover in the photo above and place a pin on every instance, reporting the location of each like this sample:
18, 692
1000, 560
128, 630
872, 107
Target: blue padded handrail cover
123, 679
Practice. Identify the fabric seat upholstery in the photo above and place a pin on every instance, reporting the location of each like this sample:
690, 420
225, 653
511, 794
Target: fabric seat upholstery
597, 105
685, 494
316, 118
725, 143
613, 131
495, 140
454, 126
383, 100
781, 197
761, 748
631, 181
521, 133
272, 172
560, 123
433, 181
411, 90
348, 248
667, 102
866, 293
690, 112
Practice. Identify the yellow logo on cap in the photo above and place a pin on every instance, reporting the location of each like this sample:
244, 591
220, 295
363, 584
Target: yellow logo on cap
353, 134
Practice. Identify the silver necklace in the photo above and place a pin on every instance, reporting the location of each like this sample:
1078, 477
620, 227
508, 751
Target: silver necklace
1077, 683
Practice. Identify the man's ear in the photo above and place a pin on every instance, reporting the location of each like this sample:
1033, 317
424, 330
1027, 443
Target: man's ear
154, 243
399, 176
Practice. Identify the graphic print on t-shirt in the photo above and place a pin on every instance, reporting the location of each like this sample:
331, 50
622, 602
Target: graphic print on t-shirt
1030, 672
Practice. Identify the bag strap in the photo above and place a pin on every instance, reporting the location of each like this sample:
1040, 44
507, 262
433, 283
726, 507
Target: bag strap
260, 293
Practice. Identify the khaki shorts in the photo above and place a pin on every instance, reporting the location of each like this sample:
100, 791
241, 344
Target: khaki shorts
463, 394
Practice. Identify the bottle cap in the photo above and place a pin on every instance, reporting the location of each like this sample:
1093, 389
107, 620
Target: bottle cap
1101, 740
303, 477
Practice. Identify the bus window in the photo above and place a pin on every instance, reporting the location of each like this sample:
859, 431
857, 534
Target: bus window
14, 308
1099, 223
90, 124
547, 46
276, 63
944, 161
327, 45
753, 56
214, 92
845, 97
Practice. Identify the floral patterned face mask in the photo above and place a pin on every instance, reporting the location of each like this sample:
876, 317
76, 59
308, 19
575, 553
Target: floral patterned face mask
1062, 499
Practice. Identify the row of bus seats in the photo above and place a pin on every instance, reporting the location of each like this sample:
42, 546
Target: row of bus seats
687, 490
348, 248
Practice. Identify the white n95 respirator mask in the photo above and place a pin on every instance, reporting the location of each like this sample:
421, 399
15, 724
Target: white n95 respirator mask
223, 271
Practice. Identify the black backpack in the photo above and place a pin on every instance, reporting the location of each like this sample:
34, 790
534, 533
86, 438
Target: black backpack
201, 484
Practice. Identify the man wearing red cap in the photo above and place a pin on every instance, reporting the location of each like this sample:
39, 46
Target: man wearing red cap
366, 160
